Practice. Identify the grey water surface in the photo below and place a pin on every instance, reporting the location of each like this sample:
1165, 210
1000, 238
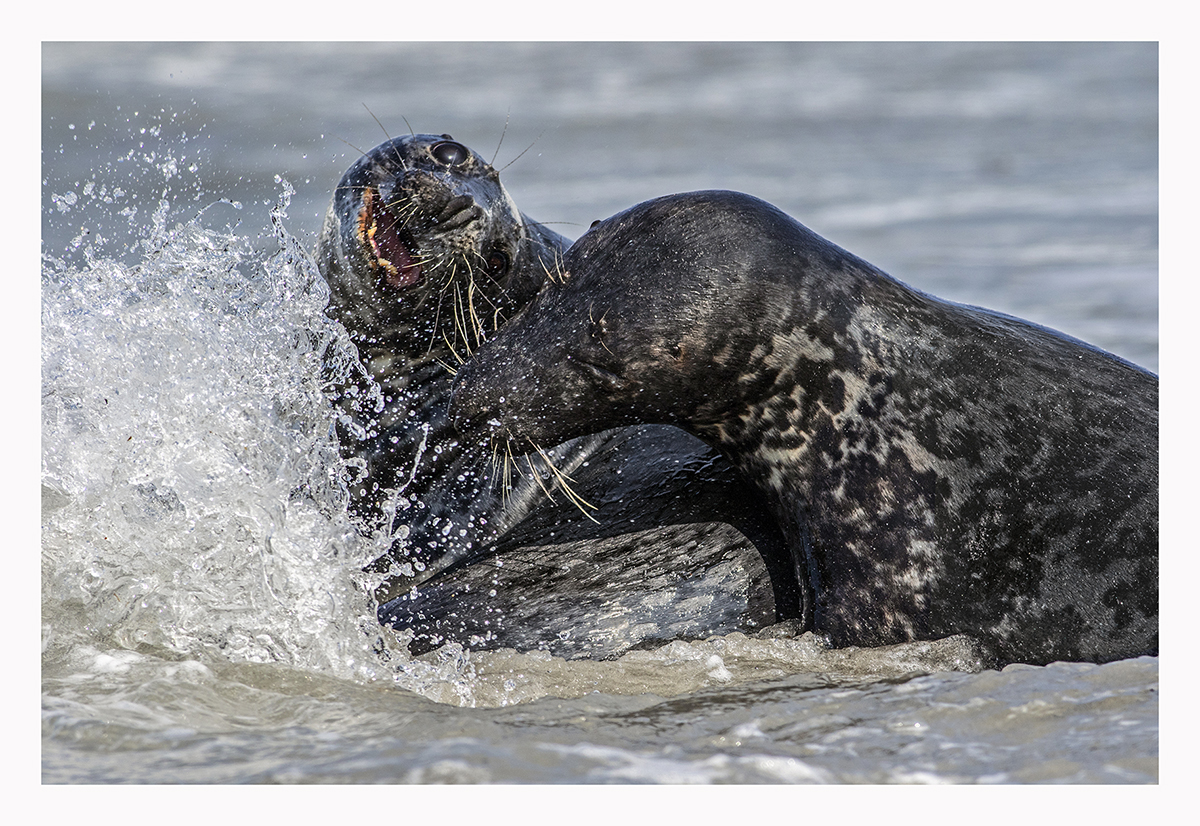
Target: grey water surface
203, 619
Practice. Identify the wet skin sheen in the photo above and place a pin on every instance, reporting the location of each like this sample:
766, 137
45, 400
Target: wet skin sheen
936, 469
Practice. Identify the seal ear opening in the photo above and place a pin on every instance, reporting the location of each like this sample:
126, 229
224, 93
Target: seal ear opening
497, 263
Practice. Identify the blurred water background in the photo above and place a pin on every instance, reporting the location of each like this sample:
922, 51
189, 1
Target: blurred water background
201, 617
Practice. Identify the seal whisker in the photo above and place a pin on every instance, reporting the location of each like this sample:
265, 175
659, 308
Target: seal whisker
497, 308
402, 206
600, 323
453, 352
381, 126
537, 477
360, 152
495, 456
460, 320
476, 324
550, 273
472, 291
523, 151
407, 207
351, 187
450, 272
471, 313
559, 473
508, 462
436, 318
564, 484
468, 311
503, 132
456, 306
527, 224
483, 270
428, 260
395, 151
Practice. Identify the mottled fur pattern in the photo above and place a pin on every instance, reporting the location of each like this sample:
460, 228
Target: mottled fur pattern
937, 469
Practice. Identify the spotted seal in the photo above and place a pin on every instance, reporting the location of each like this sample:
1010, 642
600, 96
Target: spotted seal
936, 468
426, 256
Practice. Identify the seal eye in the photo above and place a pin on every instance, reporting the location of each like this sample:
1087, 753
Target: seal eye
450, 153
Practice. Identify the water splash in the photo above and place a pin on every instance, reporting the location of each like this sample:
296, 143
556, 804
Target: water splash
153, 167
193, 496
194, 499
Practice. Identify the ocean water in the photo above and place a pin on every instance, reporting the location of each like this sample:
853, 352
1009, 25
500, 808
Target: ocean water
203, 618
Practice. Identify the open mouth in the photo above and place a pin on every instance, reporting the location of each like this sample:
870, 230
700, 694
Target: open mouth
379, 233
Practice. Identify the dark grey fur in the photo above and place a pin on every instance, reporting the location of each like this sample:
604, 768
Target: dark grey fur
937, 469
671, 502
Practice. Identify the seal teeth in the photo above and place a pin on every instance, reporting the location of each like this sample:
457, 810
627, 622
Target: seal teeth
378, 232
366, 219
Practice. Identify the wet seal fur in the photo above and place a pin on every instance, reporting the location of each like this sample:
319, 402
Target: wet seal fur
937, 469
426, 256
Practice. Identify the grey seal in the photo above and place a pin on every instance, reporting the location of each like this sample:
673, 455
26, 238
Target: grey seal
937, 469
427, 256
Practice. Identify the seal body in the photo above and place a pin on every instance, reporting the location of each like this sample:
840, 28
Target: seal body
427, 256
937, 469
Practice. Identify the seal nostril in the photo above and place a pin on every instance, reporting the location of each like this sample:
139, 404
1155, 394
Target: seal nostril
458, 212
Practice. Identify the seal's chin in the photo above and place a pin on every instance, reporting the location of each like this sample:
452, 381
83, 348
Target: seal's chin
379, 234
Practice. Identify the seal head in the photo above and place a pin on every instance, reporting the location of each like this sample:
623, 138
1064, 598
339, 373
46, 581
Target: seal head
423, 248
644, 303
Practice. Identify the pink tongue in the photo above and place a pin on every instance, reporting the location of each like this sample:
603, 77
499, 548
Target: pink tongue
401, 270
406, 276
